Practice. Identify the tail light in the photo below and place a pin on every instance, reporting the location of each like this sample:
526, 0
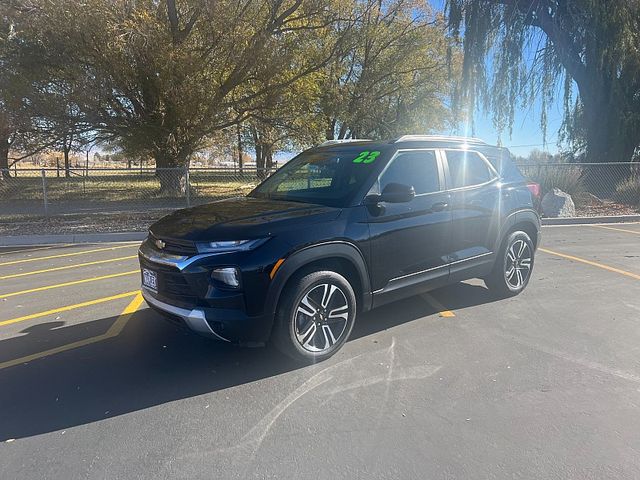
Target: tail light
534, 188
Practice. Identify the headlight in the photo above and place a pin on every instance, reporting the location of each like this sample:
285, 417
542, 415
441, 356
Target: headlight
229, 245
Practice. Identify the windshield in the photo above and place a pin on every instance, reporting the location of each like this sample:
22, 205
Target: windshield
324, 177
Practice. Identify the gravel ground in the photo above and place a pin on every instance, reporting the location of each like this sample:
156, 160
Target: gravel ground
606, 208
84, 223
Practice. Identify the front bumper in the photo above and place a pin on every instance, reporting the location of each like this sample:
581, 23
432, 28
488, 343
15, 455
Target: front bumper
186, 294
229, 325
195, 319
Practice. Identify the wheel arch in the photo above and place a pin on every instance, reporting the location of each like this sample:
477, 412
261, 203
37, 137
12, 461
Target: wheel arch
340, 256
526, 220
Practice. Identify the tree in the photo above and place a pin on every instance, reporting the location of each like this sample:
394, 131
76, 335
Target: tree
38, 106
165, 75
13, 118
594, 43
395, 78
287, 120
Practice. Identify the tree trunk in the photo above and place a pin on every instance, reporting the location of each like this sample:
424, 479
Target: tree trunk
172, 174
67, 166
264, 160
342, 133
611, 136
239, 133
269, 161
330, 134
4, 158
5, 142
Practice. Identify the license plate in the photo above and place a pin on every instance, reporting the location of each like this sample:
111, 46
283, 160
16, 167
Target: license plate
150, 279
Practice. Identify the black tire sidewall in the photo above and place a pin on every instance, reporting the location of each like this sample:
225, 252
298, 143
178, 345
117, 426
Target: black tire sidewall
496, 281
513, 237
293, 294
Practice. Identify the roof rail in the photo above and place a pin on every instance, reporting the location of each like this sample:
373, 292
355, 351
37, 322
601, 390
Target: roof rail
436, 138
344, 140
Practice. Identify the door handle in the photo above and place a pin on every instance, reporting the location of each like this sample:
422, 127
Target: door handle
439, 206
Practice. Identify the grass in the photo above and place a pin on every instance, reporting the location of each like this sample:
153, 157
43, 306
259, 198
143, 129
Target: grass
119, 188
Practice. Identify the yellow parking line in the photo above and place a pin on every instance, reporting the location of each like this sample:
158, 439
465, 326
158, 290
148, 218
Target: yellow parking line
72, 254
78, 265
113, 331
442, 311
617, 229
67, 284
68, 307
592, 263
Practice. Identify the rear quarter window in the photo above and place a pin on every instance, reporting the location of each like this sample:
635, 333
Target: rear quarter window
467, 169
501, 160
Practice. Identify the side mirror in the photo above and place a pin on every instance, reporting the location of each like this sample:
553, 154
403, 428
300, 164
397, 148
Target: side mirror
397, 193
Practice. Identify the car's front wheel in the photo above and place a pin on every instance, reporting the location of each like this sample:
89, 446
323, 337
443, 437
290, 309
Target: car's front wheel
513, 267
315, 316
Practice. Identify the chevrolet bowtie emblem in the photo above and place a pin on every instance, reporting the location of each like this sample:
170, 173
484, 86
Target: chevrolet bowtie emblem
160, 244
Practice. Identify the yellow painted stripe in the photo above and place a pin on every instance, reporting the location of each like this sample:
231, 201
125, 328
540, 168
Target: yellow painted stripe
442, 311
67, 284
78, 265
61, 255
122, 320
617, 229
113, 331
68, 307
592, 263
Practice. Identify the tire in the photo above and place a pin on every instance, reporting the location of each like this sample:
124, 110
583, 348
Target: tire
313, 338
513, 267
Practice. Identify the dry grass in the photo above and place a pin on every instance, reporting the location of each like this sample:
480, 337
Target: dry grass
628, 191
120, 188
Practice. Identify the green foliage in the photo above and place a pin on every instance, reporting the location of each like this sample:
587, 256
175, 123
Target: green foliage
165, 75
165, 79
395, 78
520, 51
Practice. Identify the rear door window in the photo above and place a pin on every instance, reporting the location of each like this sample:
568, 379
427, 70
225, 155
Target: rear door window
416, 168
467, 169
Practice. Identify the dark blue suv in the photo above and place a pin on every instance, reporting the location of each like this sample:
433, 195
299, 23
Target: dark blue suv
341, 229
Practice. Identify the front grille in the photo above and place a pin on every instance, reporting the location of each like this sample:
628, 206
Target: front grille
175, 247
172, 284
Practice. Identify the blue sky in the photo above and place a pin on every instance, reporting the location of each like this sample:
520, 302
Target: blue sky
527, 134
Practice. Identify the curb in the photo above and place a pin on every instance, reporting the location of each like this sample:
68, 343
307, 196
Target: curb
19, 240
591, 220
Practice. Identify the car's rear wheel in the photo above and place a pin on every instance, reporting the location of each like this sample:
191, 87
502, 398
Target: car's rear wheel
315, 316
513, 267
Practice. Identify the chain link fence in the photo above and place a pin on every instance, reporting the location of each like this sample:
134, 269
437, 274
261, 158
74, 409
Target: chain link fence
51, 192
597, 189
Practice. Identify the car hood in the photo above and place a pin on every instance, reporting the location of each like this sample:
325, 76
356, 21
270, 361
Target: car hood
239, 219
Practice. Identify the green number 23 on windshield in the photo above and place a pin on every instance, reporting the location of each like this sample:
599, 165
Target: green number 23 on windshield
366, 157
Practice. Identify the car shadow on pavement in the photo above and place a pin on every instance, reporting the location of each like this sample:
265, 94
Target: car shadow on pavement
452, 297
150, 363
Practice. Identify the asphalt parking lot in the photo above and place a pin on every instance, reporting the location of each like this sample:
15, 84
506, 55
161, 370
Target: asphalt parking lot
453, 384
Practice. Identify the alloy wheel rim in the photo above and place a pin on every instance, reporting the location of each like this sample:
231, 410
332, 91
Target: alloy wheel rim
320, 319
518, 264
